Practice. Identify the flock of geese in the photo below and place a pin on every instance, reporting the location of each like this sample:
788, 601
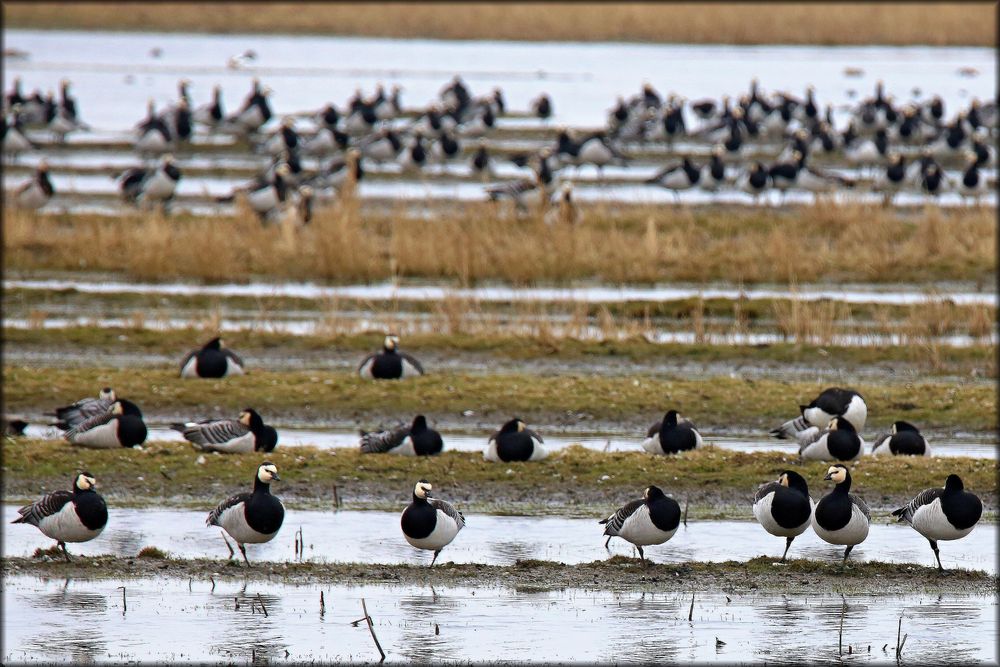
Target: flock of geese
900, 144
827, 429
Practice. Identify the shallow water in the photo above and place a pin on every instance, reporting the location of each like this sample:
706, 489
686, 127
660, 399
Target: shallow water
375, 537
171, 619
889, 295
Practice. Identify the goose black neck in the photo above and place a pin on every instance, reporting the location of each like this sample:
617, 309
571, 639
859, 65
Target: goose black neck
260, 486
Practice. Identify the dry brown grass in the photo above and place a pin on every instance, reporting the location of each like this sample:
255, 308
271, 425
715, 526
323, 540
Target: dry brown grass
830, 243
727, 23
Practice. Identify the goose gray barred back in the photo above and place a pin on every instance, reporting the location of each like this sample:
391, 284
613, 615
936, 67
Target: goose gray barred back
841, 517
429, 523
948, 513
831, 402
76, 413
653, 519
246, 434
251, 518
213, 360
79, 515
417, 439
903, 439
120, 426
783, 507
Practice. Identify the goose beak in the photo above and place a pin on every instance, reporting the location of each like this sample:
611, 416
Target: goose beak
274, 476
828, 477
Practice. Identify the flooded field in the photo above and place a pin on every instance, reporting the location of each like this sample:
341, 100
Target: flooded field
225, 621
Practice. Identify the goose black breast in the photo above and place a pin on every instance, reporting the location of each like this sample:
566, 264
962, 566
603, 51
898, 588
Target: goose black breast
843, 445
91, 509
427, 442
266, 440
514, 446
387, 366
789, 508
962, 509
907, 442
665, 514
264, 513
834, 511
212, 363
131, 431
677, 439
419, 520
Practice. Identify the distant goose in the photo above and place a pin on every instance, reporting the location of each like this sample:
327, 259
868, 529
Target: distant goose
831, 402
37, 192
515, 442
415, 154
251, 518
178, 120
932, 181
527, 193
867, 152
672, 435
141, 185
541, 107
213, 360
942, 514
841, 517
652, 520
972, 183
713, 174
429, 523
784, 508
266, 195
120, 426
153, 135
79, 515
69, 416
892, 179
255, 112
417, 439
903, 439
755, 181
326, 142
677, 177
481, 163
447, 147
14, 428
340, 172
14, 140
285, 138
212, 114
598, 151
838, 442
383, 147
564, 212
247, 434
360, 121
389, 363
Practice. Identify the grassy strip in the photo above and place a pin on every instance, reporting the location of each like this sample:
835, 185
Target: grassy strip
758, 575
977, 360
714, 403
575, 481
476, 243
725, 23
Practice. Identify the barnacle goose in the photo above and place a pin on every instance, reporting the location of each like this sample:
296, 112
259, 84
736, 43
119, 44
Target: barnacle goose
528, 193
942, 514
972, 183
79, 515
838, 442
255, 112
14, 140
653, 519
37, 192
783, 508
140, 185
285, 138
480, 162
429, 523
213, 113
69, 416
515, 442
541, 107
755, 180
671, 435
677, 177
840, 517
414, 155
831, 402
389, 363
251, 518
246, 434
892, 179
903, 439
266, 194
713, 174
120, 426
383, 147
153, 135
213, 360
417, 439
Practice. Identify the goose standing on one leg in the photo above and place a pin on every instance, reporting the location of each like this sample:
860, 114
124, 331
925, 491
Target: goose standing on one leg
417, 439
251, 518
903, 439
389, 363
784, 508
841, 517
671, 435
839, 442
120, 426
213, 360
651, 520
515, 442
68, 516
429, 523
942, 514
247, 434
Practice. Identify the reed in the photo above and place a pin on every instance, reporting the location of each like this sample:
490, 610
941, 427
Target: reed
936, 24
850, 243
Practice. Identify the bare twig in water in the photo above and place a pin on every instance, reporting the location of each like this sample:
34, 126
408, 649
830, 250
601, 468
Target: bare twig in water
437, 629
840, 636
322, 605
686, 503
213, 583
124, 602
236, 601
899, 630
336, 497
691, 610
262, 607
371, 629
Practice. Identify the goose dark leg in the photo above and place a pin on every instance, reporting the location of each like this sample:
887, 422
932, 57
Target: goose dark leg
435, 557
62, 545
607, 542
642, 556
243, 550
937, 554
228, 545
847, 552
788, 543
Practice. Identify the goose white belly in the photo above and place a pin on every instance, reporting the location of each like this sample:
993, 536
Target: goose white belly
241, 445
594, 152
813, 182
32, 198
234, 521
190, 369
762, 512
652, 444
159, 186
321, 144
538, 451
263, 200
855, 532
152, 141
104, 436
930, 521
676, 180
65, 526
15, 142
640, 531
445, 530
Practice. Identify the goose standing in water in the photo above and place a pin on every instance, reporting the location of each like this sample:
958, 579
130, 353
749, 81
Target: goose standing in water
942, 514
79, 515
251, 518
429, 523
840, 516
653, 519
783, 508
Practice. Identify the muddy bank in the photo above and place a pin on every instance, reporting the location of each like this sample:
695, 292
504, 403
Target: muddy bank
616, 573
